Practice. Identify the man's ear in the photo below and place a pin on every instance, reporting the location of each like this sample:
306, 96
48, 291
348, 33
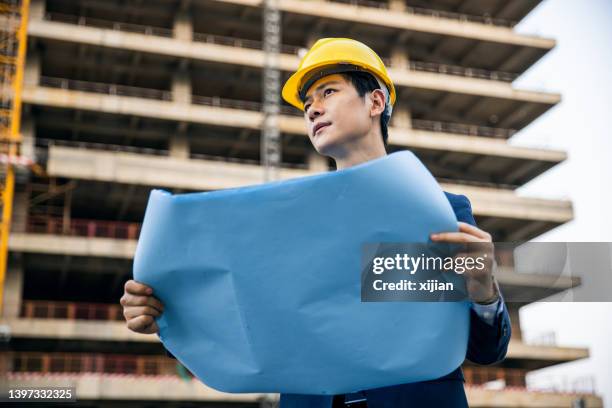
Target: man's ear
378, 102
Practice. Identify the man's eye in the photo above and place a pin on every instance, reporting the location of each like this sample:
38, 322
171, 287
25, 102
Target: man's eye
328, 90
306, 107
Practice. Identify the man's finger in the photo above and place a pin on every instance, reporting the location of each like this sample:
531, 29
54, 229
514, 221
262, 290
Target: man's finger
132, 300
151, 329
137, 288
140, 323
453, 237
134, 311
471, 229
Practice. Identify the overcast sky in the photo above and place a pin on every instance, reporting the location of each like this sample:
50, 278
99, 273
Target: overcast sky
580, 68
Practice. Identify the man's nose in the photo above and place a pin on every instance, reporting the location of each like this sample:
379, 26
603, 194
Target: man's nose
315, 110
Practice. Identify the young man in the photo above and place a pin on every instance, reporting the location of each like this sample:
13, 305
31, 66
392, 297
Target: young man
347, 98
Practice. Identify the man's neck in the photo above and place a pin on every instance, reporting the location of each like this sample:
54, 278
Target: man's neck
360, 153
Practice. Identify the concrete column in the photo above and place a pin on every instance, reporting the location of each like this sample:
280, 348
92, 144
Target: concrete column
21, 199
6, 360
397, 5
317, 162
28, 134
20, 211
67, 213
516, 322
183, 26
13, 287
312, 38
181, 87
31, 73
37, 9
401, 118
399, 58
179, 146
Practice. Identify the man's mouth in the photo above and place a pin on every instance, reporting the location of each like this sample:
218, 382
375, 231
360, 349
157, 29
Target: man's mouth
320, 126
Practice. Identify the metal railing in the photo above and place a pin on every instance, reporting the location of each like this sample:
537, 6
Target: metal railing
164, 32
83, 228
461, 71
547, 338
484, 19
132, 91
285, 48
105, 88
167, 32
43, 309
477, 183
46, 363
241, 42
560, 383
157, 365
160, 365
461, 128
218, 102
511, 377
111, 25
42, 142
215, 101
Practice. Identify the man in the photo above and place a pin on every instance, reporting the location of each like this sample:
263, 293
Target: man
347, 98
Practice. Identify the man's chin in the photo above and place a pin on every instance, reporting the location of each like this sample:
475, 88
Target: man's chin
324, 144
324, 149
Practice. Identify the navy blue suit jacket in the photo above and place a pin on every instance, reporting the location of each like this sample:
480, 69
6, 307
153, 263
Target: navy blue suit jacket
487, 344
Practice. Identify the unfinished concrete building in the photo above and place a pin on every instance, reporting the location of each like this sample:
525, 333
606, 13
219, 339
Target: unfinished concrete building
124, 96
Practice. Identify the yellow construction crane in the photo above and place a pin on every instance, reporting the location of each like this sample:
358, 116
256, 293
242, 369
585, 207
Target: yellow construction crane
13, 42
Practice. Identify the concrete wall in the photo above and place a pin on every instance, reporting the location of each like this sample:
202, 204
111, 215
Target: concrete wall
13, 287
73, 245
237, 118
255, 58
405, 21
108, 387
142, 169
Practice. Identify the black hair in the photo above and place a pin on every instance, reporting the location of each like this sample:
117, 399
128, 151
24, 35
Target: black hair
365, 82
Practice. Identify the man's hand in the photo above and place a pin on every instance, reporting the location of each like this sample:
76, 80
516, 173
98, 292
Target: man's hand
140, 307
479, 282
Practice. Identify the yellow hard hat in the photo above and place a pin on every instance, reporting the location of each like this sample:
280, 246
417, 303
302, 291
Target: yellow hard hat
332, 56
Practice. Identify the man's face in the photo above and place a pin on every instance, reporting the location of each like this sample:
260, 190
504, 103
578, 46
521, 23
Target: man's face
335, 114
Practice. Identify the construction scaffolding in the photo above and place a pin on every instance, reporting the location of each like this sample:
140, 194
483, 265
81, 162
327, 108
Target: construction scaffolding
271, 145
13, 42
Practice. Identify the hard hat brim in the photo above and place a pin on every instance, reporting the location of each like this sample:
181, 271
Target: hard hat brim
291, 89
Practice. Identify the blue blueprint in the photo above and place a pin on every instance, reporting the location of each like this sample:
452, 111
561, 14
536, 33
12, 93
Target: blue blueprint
261, 285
